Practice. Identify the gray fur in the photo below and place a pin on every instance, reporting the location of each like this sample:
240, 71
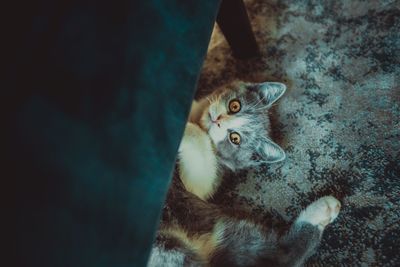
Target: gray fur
247, 244
256, 146
161, 257
170, 251
240, 242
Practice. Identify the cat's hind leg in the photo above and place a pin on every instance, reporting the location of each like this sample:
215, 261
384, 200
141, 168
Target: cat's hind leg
321, 212
242, 243
304, 235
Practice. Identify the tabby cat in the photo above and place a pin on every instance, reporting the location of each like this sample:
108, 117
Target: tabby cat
230, 130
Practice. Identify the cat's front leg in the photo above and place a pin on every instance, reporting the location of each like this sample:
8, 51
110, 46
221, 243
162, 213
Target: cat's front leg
197, 162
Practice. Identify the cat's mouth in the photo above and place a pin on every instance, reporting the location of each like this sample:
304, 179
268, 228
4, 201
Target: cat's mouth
207, 123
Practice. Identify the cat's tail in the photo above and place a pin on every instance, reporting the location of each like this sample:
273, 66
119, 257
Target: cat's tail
242, 243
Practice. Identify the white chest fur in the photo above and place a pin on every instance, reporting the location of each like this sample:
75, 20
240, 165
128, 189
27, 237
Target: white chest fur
197, 162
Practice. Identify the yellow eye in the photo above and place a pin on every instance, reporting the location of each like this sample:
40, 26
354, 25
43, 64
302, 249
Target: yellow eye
234, 106
235, 138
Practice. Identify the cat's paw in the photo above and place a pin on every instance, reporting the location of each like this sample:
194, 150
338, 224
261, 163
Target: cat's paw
193, 130
194, 137
321, 212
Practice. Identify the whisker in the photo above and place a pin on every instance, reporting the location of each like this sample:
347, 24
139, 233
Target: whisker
257, 103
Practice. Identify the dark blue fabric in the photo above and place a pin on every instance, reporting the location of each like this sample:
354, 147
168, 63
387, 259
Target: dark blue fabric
101, 92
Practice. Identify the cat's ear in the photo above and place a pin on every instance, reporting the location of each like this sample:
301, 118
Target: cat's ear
271, 152
271, 91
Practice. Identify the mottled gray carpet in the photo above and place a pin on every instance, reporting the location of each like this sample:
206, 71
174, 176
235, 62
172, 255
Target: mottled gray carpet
338, 122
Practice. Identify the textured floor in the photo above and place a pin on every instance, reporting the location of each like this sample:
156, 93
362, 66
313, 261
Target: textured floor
339, 121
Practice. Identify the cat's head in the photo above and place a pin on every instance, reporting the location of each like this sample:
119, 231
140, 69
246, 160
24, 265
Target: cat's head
237, 122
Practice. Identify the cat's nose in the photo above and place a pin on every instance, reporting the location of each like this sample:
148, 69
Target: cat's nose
213, 119
217, 120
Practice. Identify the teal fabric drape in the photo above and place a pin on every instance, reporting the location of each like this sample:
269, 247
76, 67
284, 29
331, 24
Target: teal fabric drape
100, 92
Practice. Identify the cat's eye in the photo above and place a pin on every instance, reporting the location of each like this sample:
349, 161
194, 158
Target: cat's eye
234, 106
235, 138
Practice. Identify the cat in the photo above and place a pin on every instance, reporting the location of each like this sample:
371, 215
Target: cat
229, 130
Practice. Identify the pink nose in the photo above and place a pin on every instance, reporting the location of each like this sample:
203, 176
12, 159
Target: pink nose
217, 120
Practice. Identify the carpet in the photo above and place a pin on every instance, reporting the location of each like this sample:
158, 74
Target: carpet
338, 122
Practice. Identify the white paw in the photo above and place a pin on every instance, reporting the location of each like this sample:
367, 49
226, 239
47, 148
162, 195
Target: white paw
193, 136
321, 212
